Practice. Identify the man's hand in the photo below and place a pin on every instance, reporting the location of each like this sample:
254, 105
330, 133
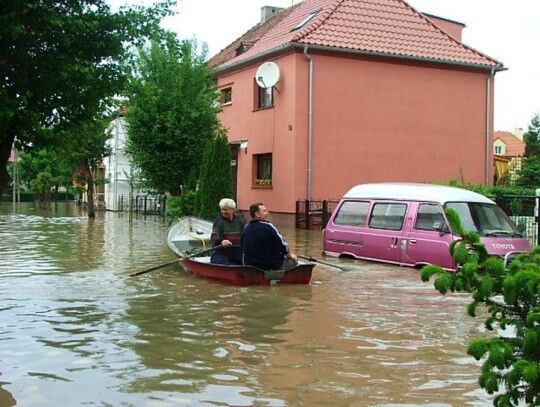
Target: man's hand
226, 243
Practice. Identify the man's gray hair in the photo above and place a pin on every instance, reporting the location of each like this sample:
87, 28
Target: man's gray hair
227, 203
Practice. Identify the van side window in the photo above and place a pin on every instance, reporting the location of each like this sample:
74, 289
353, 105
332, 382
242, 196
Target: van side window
429, 217
352, 213
388, 216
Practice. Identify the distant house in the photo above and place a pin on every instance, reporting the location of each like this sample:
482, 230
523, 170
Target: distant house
327, 94
508, 150
120, 188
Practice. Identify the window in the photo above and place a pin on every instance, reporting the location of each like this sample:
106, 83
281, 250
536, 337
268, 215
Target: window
264, 169
498, 150
429, 217
387, 216
225, 96
305, 20
352, 213
266, 97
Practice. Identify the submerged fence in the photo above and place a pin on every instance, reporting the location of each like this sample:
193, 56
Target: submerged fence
522, 209
145, 204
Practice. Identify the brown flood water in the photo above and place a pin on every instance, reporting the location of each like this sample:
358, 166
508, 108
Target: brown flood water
76, 329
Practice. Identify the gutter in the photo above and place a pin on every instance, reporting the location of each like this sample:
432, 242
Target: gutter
310, 124
488, 127
355, 52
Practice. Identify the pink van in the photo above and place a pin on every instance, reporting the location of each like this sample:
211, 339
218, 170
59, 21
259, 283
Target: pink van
405, 224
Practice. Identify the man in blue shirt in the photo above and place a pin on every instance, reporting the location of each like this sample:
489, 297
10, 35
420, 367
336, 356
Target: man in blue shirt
262, 244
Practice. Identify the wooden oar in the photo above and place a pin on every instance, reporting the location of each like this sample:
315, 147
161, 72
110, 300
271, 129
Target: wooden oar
343, 268
138, 273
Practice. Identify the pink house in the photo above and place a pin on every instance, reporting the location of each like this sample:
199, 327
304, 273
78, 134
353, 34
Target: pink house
328, 94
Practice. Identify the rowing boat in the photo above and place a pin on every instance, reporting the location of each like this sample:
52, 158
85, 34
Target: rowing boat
188, 233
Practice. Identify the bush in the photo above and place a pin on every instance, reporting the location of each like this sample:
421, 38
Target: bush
511, 295
179, 206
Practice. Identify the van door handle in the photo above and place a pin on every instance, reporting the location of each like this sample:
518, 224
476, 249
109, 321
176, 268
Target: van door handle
412, 241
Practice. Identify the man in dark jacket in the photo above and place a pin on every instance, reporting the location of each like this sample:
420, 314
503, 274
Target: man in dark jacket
226, 231
263, 245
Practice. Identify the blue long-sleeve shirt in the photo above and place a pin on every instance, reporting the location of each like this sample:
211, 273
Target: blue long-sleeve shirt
263, 246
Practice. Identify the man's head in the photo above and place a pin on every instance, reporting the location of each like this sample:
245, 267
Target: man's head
258, 211
227, 206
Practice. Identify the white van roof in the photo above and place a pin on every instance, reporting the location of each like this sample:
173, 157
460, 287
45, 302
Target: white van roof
415, 192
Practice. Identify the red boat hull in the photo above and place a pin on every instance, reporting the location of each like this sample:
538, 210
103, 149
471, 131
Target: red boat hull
246, 275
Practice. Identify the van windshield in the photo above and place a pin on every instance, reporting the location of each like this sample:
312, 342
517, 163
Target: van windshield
486, 219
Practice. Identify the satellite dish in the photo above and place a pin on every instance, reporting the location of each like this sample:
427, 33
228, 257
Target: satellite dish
267, 75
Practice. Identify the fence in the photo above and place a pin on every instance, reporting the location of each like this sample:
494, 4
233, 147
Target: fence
313, 214
522, 209
145, 204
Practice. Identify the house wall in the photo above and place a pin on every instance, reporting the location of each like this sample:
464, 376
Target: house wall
117, 168
376, 121
373, 121
270, 130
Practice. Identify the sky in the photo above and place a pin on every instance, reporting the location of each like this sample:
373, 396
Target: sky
508, 31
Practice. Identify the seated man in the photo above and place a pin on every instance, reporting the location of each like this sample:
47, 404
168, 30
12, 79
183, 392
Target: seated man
226, 231
263, 245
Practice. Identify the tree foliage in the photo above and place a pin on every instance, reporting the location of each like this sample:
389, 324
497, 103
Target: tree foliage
216, 176
42, 186
529, 176
59, 63
511, 295
172, 114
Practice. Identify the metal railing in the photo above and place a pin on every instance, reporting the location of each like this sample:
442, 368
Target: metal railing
145, 204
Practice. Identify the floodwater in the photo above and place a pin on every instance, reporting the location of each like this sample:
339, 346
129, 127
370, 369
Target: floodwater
77, 330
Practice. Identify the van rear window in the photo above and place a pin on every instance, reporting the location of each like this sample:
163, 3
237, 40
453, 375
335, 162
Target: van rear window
352, 213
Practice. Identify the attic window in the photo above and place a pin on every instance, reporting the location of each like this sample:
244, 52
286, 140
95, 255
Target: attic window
305, 20
243, 47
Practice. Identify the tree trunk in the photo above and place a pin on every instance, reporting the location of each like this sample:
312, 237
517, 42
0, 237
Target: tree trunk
6, 143
91, 192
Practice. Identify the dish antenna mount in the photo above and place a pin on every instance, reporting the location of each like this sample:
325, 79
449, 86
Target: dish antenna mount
267, 75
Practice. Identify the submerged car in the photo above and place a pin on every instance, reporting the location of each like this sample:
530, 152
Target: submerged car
406, 224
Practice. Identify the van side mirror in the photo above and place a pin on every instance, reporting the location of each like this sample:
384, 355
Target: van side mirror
521, 228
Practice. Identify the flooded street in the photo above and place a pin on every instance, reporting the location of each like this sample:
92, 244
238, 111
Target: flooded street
77, 330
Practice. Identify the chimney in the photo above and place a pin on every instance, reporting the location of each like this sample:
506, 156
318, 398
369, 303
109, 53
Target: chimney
267, 12
518, 132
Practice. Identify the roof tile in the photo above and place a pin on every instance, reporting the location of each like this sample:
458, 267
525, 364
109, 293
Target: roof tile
386, 27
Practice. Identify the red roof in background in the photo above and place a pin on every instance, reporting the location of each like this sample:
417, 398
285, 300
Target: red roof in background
377, 27
514, 146
13, 157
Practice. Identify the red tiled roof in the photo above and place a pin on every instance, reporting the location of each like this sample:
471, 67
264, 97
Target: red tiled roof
514, 146
379, 27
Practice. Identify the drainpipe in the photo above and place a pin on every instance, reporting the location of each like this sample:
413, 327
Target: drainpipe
310, 123
488, 127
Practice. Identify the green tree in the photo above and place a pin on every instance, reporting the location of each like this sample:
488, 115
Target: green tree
216, 177
59, 62
42, 187
529, 176
511, 295
36, 161
87, 151
172, 114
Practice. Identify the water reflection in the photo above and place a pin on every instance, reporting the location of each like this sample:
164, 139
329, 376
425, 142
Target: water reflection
75, 329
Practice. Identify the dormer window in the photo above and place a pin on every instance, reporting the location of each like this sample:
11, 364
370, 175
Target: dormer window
305, 20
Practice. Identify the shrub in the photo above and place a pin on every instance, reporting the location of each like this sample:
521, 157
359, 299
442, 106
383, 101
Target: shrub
510, 293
